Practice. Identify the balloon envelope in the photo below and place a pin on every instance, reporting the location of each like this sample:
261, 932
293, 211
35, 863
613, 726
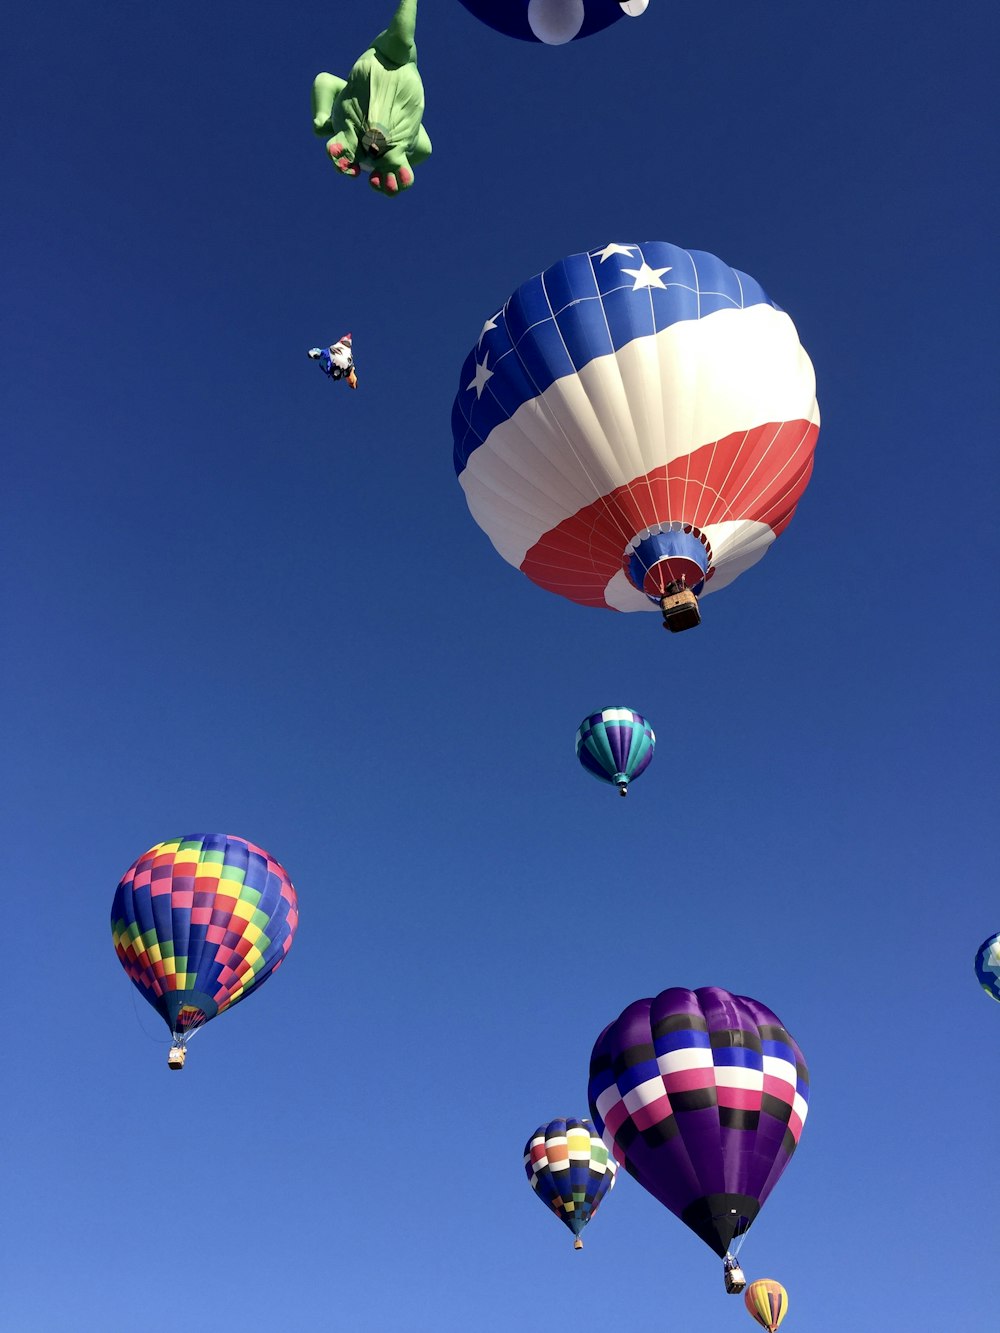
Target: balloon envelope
767, 1301
569, 1169
200, 922
702, 1096
615, 745
549, 21
632, 418
988, 966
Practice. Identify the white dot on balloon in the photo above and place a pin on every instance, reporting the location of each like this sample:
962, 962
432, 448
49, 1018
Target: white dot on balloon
555, 21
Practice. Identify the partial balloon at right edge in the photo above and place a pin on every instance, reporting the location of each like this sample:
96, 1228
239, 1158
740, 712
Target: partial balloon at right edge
988, 966
635, 426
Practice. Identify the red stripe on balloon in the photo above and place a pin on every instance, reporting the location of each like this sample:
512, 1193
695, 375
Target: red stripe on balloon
758, 474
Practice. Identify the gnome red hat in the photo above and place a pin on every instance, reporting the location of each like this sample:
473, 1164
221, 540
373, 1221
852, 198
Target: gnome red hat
346, 339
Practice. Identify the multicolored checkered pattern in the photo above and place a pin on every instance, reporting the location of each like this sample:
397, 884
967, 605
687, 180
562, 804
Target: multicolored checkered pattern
988, 966
201, 921
702, 1096
615, 745
767, 1301
570, 1170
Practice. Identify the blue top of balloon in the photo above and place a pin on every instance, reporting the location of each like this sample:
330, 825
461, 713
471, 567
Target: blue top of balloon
551, 21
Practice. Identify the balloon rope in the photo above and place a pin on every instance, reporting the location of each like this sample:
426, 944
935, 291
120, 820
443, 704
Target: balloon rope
159, 1041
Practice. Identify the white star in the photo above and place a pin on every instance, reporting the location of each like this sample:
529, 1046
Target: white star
613, 249
483, 373
646, 276
491, 323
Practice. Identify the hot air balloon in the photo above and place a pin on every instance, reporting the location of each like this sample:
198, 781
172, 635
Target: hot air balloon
373, 119
702, 1096
635, 427
615, 745
552, 21
767, 1301
570, 1170
198, 924
988, 966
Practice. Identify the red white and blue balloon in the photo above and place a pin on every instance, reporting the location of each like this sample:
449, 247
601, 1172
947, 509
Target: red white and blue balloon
634, 418
553, 21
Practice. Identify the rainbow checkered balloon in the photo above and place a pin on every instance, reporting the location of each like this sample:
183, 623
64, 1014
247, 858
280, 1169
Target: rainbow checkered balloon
200, 922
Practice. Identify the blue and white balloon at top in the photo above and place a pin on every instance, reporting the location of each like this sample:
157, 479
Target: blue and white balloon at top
615, 745
988, 966
552, 21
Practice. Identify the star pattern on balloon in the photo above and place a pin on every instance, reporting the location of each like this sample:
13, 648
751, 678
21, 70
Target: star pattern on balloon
613, 249
647, 277
482, 376
488, 327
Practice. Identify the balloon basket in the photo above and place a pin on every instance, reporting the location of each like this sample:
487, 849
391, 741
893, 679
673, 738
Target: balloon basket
680, 610
176, 1057
578, 1244
735, 1281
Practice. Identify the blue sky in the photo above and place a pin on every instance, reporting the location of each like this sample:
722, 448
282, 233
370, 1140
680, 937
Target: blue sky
201, 636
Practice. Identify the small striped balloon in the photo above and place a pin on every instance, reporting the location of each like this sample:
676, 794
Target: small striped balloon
570, 1170
615, 745
767, 1301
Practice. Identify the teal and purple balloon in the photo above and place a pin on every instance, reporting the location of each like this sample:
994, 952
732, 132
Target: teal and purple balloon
615, 745
988, 966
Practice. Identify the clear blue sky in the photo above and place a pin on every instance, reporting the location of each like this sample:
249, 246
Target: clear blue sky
199, 636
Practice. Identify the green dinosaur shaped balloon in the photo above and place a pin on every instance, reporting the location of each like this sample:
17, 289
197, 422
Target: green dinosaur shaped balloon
374, 115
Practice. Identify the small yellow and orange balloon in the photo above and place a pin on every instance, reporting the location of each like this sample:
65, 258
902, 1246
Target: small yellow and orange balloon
767, 1301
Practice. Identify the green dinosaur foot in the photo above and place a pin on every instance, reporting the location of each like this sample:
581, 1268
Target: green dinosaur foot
340, 156
391, 182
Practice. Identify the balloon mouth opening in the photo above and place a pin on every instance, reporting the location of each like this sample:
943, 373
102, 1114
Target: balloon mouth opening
666, 558
374, 142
